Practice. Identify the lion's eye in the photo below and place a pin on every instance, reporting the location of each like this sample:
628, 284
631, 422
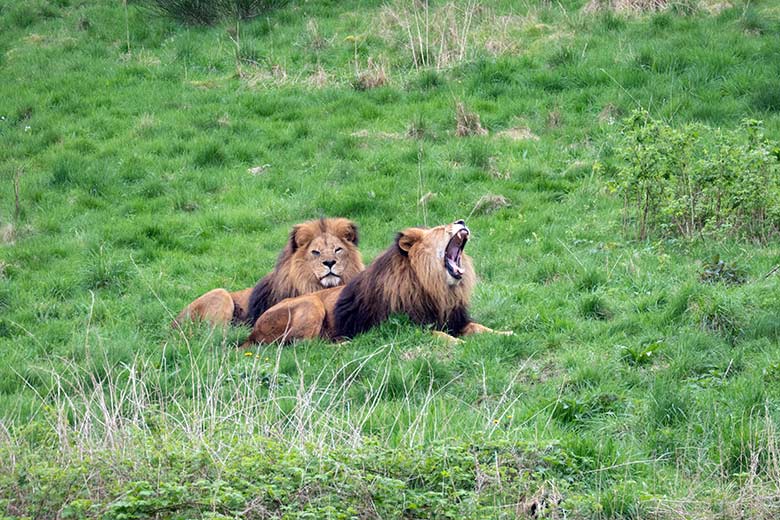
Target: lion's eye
338, 250
315, 252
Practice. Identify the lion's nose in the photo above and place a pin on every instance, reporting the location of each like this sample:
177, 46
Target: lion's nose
329, 263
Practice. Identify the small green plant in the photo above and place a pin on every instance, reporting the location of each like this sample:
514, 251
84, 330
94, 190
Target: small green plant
718, 271
696, 180
641, 354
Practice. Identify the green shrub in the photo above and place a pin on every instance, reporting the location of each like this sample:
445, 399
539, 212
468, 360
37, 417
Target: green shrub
696, 180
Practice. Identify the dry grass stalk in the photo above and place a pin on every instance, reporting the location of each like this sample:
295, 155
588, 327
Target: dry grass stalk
467, 123
715, 7
425, 199
316, 40
435, 37
496, 172
554, 119
8, 234
277, 75
500, 40
17, 200
609, 114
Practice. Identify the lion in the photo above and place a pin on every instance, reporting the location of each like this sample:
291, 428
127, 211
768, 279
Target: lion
424, 275
319, 254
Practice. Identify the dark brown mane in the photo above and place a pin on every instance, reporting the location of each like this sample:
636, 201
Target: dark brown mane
391, 285
271, 288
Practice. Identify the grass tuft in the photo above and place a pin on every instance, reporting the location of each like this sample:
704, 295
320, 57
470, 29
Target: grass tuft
209, 153
595, 307
467, 123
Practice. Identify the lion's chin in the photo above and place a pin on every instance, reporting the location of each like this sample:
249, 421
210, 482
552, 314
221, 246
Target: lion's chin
330, 280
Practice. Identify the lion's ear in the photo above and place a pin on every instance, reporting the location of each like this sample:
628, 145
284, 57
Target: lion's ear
300, 236
407, 238
349, 232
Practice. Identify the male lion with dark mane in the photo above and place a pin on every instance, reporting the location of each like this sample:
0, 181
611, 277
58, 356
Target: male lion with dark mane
424, 275
319, 254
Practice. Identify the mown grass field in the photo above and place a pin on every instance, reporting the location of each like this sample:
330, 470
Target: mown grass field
631, 389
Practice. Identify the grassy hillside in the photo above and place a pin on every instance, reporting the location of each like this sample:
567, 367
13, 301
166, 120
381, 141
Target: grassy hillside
631, 388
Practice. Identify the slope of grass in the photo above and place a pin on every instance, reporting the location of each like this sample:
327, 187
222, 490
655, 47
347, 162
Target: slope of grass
629, 389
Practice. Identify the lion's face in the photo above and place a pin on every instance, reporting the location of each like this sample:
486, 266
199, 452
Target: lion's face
325, 253
436, 254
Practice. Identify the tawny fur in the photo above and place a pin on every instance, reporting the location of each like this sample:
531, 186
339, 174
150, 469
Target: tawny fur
298, 271
408, 278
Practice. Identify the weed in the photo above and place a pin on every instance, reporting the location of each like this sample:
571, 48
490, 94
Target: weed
642, 354
718, 271
696, 180
206, 12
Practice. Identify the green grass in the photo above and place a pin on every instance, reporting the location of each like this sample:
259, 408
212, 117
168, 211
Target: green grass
630, 388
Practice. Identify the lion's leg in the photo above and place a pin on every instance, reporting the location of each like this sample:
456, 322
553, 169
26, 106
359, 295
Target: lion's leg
241, 301
475, 328
216, 307
288, 321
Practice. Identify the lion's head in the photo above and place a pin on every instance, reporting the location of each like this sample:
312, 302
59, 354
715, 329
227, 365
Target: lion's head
322, 253
319, 254
424, 274
436, 256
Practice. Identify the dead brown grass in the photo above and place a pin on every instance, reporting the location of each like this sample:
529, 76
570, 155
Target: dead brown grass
625, 6
373, 76
489, 203
8, 234
518, 134
318, 79
434, 37
467, 123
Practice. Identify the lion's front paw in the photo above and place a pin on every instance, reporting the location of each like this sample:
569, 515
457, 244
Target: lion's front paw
450, 340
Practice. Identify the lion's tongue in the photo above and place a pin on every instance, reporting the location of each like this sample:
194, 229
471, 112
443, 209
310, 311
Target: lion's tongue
454, 267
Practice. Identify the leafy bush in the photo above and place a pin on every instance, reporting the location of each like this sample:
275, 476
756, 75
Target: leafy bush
270, 480
696, 180
209, 12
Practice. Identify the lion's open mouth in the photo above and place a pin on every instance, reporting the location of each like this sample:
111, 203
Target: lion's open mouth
453, 254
